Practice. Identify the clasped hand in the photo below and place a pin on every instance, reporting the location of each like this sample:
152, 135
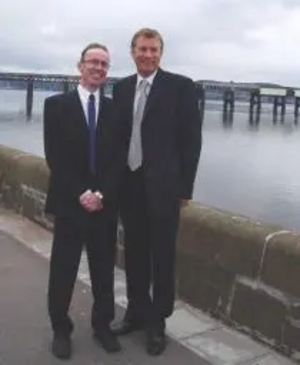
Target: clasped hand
90, 201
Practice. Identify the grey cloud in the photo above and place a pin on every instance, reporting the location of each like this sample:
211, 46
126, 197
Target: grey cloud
224, 39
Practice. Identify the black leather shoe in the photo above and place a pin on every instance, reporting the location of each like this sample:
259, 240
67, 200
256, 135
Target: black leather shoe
156, 341
126, 326
108, 340
61, 347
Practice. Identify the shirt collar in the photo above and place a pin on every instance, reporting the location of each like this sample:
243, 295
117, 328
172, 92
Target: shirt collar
149, 78
86, 93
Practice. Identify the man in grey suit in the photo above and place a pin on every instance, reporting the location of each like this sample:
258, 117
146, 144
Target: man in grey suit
160, 123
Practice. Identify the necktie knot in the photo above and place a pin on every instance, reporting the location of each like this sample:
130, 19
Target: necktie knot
92, 98
144, 86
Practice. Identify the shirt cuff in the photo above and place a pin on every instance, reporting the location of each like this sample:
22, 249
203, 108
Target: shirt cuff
98, 195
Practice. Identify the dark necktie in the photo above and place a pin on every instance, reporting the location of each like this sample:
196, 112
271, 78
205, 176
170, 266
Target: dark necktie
92, 133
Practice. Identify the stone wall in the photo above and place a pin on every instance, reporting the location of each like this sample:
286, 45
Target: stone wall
244, 272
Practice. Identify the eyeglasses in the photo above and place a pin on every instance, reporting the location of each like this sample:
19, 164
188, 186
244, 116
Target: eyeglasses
96, 63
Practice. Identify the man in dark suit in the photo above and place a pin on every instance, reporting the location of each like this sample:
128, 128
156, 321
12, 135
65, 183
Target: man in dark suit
78, 136
158, 114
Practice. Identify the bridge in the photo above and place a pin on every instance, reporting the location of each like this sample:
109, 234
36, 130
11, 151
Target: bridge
228, 92
254, 93
54, 82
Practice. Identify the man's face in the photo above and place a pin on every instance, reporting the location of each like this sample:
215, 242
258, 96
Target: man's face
93, 68
147, 53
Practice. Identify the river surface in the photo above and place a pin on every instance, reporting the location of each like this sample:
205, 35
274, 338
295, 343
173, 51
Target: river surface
246, 168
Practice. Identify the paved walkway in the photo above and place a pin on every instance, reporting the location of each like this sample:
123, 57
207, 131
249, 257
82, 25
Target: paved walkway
195, 339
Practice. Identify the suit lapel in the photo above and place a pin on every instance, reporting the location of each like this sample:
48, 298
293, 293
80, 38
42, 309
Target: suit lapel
77, 111
155, 91
129, 97
101, 109
102, 115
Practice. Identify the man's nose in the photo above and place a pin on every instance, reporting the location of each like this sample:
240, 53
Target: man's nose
148, 53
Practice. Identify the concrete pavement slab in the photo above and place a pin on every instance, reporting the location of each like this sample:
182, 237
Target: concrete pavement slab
206, 337
25, 333
226, 347
269, 360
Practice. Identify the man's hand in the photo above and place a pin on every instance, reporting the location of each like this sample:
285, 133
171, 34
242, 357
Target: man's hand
99, 196
91, 202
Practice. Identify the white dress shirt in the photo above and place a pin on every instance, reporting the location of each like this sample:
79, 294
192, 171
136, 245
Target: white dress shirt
84, 98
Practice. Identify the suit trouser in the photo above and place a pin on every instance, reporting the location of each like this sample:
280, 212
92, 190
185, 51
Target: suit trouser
150, 245
97, 232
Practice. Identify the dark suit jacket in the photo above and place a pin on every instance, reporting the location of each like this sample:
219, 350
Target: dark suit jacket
66, 151
171, 135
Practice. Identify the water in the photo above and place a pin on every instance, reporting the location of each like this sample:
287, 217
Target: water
247, 169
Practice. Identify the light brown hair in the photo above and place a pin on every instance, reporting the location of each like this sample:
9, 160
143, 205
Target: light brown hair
147, 33
92, 46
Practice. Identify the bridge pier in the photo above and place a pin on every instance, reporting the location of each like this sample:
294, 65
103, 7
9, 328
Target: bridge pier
255, 103
228, 118
228, 101
29, 99
296, 106
279, 101
254, 119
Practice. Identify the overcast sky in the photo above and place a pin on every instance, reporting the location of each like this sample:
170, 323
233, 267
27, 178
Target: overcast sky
239, 40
